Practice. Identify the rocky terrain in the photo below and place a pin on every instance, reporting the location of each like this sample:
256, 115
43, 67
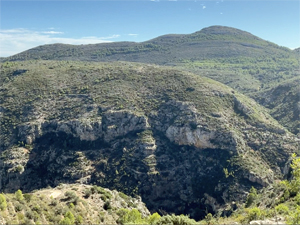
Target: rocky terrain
81, 204
243, 61
185, 143
283, 100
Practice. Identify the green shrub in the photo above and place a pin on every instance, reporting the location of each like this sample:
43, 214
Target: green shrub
29, 215
154, 218
87, 192
297, 199
18, 207
101, 217
124, 196
53, 202
70, 216
20, 216
127, 216
254, 214
3, 204
122, 213
72, 197
27, 197
65, 221
294, 217
19, 195
286, 195
36, 208
175, 220
135, 216
282, 209
295, 182
105, 194
71, 205
36, 216
209, 218
79, 220
26, 221
252, 196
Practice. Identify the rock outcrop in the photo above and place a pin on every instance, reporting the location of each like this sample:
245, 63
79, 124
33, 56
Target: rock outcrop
181, 142
174, 154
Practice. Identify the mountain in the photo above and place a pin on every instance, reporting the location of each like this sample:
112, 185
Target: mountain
284, 103
228, 55
181, 141
211, 42
231, 56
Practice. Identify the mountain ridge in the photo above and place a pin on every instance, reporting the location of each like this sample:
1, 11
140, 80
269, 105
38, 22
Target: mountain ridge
231, 56
209, 33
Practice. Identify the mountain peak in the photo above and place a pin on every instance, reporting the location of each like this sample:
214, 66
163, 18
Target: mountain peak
224, 30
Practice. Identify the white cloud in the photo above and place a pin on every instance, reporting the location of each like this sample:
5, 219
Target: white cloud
204, 7
52, 32
19, 30
14, 41
133, 34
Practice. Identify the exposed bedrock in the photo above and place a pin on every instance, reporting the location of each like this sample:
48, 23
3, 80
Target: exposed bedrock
178, 160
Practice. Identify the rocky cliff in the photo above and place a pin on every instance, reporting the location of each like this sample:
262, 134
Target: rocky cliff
183, 142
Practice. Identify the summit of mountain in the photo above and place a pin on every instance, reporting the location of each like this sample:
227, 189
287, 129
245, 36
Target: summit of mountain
210, 42
209, 51
297, 50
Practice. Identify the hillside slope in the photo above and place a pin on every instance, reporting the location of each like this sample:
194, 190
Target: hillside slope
211, 42
233, 57
284, 103
81, 204
181, 141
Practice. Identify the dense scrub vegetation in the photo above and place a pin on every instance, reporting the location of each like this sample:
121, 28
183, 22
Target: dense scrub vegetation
30, 88
236, 58
71, 90
82, 204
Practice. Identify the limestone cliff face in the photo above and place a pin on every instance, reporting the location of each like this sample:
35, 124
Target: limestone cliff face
186, 126
85, 130
186, 136
120, 123
113, 124
176, 158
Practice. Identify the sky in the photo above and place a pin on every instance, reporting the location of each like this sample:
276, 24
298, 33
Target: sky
26, 24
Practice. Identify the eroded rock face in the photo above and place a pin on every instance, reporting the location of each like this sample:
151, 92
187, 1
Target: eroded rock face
176, 158
85, 130
188, 127
113, 124
120, 123
186, 136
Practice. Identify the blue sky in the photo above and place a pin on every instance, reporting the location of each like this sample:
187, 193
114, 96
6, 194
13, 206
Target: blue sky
27, 24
